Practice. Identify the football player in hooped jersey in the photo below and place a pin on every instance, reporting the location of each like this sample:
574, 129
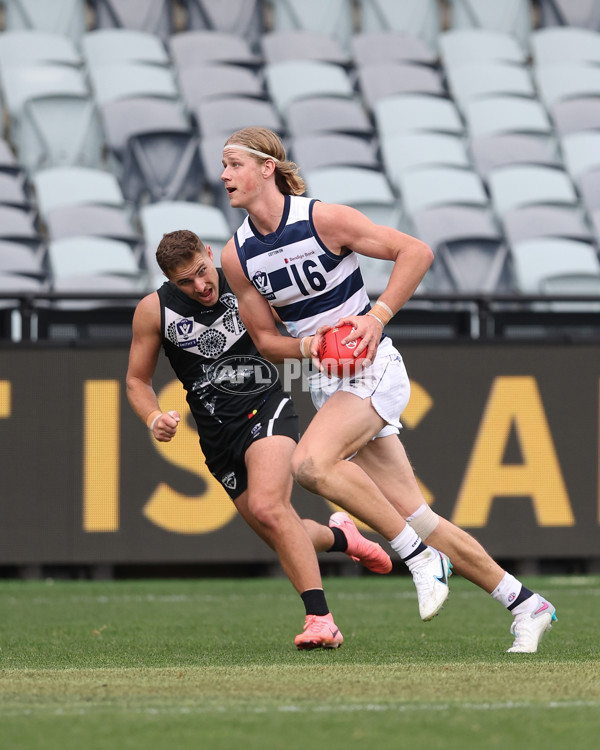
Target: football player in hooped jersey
298, 256
248, 432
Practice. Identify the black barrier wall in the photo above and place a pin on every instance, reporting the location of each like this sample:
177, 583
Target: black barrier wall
504, 440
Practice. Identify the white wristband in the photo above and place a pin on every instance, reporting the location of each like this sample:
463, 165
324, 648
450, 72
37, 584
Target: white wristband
302, 341
370, 314
151, 428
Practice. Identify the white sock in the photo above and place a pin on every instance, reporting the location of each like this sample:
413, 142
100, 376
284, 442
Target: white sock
507, 590
406, 542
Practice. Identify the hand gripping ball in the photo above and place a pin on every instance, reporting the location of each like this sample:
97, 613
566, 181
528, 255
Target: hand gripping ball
338, 359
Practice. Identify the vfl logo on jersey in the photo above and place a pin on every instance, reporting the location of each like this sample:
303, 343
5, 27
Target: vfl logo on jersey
262, 283
229, 481
183, 333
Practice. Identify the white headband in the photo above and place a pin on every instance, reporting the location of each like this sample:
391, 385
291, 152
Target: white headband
250, 151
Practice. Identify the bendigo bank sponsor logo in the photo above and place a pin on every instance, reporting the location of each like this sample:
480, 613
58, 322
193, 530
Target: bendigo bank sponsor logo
247, 374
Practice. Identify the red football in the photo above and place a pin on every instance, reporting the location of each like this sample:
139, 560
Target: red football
338, 359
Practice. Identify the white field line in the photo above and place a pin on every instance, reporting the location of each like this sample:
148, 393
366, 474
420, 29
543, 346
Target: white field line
334, 708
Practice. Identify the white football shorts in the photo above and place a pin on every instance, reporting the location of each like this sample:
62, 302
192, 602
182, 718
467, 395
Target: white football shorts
385, 382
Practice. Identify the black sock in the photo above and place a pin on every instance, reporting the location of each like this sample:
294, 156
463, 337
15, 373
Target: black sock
421, 548
524, 594
314, 602
340, 543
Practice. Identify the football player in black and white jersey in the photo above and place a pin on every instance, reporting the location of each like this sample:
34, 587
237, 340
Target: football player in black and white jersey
248, 431
303, 252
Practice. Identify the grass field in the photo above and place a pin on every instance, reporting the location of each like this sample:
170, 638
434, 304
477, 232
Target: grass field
210, 664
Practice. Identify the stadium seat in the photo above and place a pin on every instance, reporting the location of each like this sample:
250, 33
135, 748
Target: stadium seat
404, 113
17, 225
112, 222
64, 186
130, 80
576, 115
373, 47
64, 17
332, 149
419, 18
476, 45
25, 82
595, 219
126, 117
117, 46
364, 189
224, 116
333, 18
31, 47
279, 46
218, 80
581, 152
59, 130
405, 151
470, 252
577, 284
208, 222
506, 149
152, 16
436, 186
509, 17
583, 13
160, 166
378, 80
560, 81
8, 162
469, 81
244, 18
506, 114
531, 222
12, 191
523, 185
565, 45
376, 274
328, 115
74, 256
211, 153
193, 48
300, 79
16, 258
589, 190
537, 260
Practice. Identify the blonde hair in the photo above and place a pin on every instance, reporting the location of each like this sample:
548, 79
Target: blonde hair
265, 141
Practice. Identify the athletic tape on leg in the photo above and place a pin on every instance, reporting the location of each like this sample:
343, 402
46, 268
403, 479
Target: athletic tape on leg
424, 522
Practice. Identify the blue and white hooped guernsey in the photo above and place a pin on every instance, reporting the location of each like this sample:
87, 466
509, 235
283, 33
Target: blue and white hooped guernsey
303, 280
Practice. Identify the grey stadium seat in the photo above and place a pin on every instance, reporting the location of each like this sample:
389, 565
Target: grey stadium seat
114, 46
417, 17
278, 46
583, 13
469, 81
565, 45
152, 16
244, 18
405, 113
522, 185
17, 225
509, 16
64, 186
191, 48
560, 81
581, 152
112, 222
333, 17
461, 46
31, 46
300, 79
225, 115
539, 259
506, 149
332, 149
436, 186
378, 80
128, 80
506, 114
65, 17
470, 252
372, 47
218, 80
328, 115
576, 115
531, 222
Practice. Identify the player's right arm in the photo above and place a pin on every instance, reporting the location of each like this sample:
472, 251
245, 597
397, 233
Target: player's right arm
256, 313
143, 357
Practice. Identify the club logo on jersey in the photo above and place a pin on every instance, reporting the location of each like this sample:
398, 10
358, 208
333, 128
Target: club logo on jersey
182, 333
229, 481
261, 281
242, 374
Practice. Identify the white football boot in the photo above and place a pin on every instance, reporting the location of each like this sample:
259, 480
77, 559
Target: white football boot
430, 571
529, 627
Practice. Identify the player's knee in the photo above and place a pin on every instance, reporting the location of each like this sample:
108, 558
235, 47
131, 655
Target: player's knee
307, 472
267, 510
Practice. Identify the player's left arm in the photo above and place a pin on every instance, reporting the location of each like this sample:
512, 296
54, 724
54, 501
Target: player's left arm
256, 313
344, 228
